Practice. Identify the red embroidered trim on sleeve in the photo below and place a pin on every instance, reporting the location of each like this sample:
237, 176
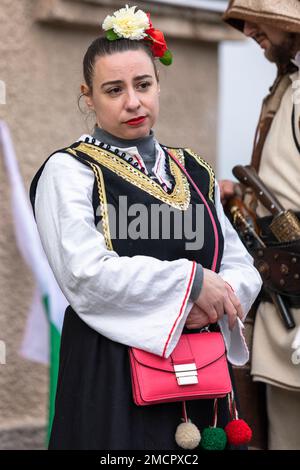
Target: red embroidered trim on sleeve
187, 293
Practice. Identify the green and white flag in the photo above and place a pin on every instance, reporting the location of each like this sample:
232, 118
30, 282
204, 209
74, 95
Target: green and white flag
41, 341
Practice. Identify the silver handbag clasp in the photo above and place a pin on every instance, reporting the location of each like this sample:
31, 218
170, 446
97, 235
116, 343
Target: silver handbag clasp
186, 374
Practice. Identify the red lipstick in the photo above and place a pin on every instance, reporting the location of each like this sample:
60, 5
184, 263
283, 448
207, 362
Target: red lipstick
136, 121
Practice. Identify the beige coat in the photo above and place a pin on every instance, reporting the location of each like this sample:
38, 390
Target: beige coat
280, 171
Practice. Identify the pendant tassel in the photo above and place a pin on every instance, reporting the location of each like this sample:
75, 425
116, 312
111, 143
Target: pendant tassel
187, 434
237, 430
214, 438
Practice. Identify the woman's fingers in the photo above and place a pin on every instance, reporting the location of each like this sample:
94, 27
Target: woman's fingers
214, 315
231, 312
233, 308
235, 301
212, 295
216, 298
197, 318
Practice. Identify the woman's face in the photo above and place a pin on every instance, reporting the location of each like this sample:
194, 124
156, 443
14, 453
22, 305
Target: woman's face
125, 94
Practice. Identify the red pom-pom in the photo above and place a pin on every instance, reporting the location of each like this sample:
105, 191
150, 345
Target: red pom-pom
238, 432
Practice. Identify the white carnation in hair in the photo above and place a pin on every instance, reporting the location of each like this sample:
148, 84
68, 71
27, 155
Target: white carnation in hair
127, 23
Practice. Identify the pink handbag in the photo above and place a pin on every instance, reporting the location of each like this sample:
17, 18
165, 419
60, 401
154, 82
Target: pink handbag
197, 369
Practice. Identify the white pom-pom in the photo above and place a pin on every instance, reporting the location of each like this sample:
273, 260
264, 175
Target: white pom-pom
187, 436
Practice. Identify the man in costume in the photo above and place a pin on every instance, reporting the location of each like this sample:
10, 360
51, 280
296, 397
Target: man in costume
275, 26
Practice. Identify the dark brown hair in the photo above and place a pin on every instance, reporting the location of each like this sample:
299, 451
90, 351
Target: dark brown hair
102, 46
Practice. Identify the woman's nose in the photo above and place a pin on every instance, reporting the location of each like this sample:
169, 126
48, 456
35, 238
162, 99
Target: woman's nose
133, 101
250, 29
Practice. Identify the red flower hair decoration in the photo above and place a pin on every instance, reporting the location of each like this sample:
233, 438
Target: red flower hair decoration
137, 25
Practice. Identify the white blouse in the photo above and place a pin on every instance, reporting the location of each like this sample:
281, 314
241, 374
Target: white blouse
138, 301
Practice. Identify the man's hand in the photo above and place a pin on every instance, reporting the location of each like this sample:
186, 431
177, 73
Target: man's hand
227, 190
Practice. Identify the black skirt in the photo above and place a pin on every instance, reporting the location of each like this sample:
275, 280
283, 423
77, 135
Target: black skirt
94, 405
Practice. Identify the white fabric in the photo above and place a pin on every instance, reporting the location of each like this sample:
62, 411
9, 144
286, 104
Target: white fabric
283, 408
35, 343
138, 301
237, 269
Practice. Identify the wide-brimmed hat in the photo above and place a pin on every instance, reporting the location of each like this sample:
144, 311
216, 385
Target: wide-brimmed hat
282, 14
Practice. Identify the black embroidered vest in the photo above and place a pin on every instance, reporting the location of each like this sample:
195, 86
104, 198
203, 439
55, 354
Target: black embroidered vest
138, 217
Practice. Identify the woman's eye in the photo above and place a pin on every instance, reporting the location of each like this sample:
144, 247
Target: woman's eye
114, 91
144, 85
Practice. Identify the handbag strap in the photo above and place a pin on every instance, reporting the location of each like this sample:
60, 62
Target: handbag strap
214, 225
183, 354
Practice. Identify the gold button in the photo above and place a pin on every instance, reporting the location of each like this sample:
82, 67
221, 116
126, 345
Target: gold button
264, 268
284, 269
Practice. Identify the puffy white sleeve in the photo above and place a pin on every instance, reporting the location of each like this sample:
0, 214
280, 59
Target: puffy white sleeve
138, 301
238, 270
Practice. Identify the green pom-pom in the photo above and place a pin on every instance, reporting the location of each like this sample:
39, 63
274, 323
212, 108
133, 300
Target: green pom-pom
167, 58
213, 439
111, 35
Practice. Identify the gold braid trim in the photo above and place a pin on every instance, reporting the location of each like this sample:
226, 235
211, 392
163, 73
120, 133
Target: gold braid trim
210, 171
102, 198
103, 204
178, 154
178, 198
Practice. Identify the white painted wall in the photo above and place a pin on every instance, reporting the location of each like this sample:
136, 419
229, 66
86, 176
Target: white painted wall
210, 5
244, 79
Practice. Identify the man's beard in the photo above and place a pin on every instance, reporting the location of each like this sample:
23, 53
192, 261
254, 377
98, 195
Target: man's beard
283, 53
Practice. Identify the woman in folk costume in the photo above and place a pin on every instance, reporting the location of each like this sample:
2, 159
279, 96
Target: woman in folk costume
275, 26
127, 288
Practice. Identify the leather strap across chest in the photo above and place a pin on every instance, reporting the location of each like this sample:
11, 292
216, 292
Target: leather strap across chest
270, 107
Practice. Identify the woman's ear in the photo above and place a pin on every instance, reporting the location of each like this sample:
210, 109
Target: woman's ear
87, 95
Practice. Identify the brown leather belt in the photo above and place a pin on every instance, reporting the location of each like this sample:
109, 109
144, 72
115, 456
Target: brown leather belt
290, 301
279, 264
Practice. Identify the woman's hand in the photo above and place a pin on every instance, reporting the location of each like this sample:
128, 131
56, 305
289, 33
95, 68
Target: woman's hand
196, 318
234, 309
216, 299
212, 296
